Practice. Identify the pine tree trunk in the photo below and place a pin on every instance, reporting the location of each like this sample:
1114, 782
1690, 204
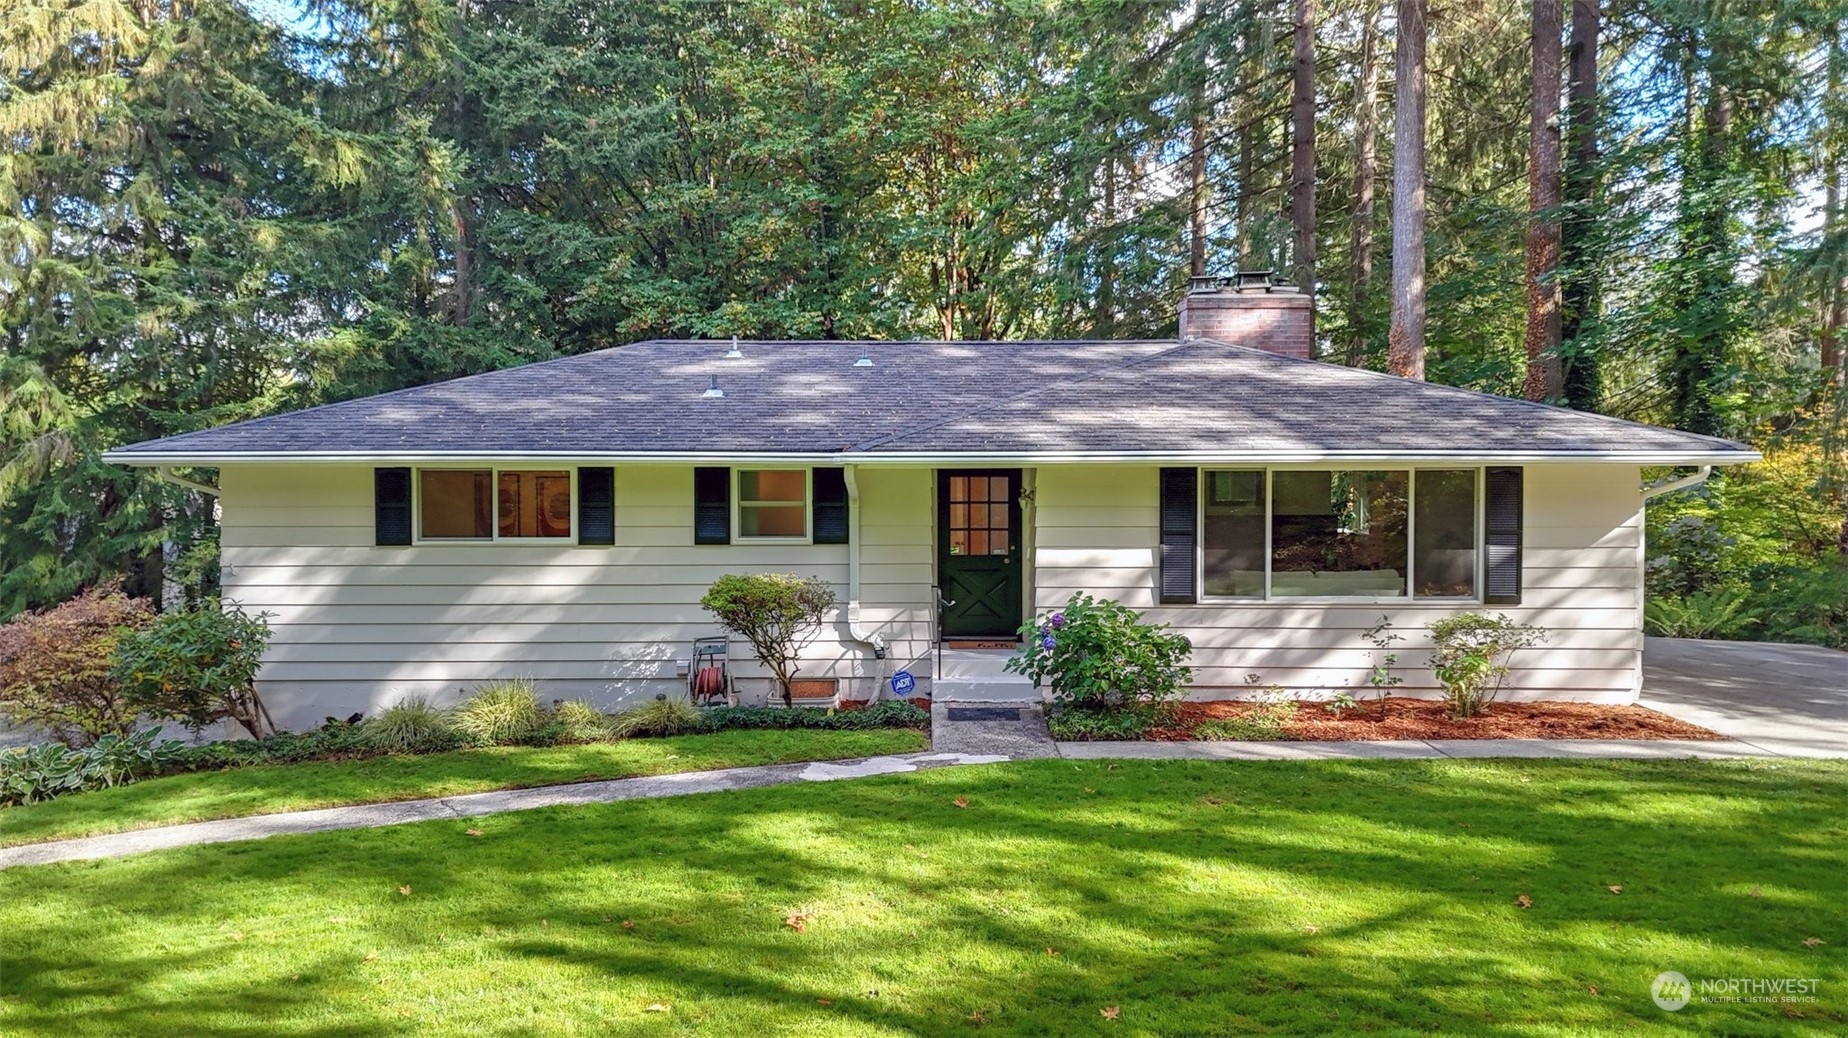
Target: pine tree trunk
1405, 340
1580, 290
1543, 371
1835, 288
1103, 323
1302, 147
1366, 162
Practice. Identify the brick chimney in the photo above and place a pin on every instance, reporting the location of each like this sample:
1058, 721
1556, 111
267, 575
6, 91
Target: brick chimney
1246, 310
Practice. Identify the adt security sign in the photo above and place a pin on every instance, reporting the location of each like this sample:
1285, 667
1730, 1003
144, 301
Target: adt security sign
903, 683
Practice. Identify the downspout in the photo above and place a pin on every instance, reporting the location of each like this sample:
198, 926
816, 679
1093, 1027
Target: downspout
1650, 493
856, 629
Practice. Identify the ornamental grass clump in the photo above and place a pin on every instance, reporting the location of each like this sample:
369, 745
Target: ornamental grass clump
501, 713
410, 725
576, 721
1099, 655
659, 718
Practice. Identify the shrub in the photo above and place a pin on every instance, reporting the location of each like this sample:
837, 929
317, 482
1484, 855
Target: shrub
410, 725
1804, 601
1470, 654
198, 666
1098, 654
578, 721
778, 613
1078, 724
501, 713
659, 718
39, 772
57, 667
888, 714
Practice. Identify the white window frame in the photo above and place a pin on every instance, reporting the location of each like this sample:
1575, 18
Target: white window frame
738, 505
1411, 596
494, 472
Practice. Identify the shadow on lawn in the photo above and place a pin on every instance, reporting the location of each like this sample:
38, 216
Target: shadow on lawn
1203, 898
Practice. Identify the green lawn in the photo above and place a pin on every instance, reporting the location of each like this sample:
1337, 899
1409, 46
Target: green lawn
295, 787
1192, 898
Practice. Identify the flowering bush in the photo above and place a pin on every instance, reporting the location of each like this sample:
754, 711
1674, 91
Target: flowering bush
1097, 654
1470, 654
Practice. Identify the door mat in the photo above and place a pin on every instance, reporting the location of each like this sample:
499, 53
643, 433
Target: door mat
983, 713
980, 643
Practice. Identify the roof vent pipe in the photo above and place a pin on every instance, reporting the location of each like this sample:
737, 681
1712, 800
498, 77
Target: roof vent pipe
734, 353
713, 392
866, 358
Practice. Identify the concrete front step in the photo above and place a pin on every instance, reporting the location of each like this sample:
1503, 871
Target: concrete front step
981, 675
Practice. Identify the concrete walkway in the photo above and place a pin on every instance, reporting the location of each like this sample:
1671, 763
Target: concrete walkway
1788, 700
1013, 729
366, 816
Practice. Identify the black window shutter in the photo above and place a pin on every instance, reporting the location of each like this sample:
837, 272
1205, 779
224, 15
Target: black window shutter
1502, 537
830, 507
391, 506
1180, 490
711, 506
596, 506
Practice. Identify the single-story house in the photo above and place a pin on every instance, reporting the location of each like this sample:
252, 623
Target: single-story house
561, 520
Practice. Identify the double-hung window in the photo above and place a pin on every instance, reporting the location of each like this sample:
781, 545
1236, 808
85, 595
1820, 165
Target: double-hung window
773, 504
1340, 533
494, 504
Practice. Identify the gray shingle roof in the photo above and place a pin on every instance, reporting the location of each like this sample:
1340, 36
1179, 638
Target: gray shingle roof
1060, 398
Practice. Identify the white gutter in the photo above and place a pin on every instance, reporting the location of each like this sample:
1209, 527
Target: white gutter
970, 458
855, 627
165, 474
1650, 493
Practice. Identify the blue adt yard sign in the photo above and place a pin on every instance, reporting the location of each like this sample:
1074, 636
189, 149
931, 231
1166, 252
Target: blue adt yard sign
903, 683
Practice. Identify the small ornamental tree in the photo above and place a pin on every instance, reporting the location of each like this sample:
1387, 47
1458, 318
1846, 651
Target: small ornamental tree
778, 613
198, 666
1470, 654
57, 666
1098, 654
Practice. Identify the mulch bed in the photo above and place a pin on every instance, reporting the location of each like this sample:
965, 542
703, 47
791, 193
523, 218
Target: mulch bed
1401, 717
921, 702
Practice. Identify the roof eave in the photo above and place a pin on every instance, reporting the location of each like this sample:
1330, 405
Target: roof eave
990, 458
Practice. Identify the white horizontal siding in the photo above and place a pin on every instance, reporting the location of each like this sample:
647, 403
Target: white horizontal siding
1095, 531
356, 626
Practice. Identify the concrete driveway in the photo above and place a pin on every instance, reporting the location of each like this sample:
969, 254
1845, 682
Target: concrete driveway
1786, 699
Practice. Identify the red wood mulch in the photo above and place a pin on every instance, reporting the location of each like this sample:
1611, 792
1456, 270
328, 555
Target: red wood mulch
1404, 718
921, 702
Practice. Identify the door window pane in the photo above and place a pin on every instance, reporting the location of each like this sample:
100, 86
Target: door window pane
1233, 537
1338, 533
455, 503
1444, 537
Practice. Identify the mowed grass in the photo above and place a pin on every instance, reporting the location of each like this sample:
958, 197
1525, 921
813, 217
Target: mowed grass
1189, 898
202, 796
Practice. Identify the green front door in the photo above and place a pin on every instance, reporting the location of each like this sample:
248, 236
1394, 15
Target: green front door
978, 552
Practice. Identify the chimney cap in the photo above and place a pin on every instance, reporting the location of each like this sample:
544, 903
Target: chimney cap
1237, 281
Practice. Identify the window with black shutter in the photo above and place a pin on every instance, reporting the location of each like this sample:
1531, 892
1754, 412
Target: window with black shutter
711, 506
1179, 521
830, 506
391, 506
1502, 536
597, 506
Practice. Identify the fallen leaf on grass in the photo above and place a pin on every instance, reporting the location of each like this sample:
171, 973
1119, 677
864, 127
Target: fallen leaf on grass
1757, 892
656, 1007
797, 921
1311, 929
961, 801
1594, 989
371, 955
1616, 888
1811, 942
1088, 789
978, 1017
1523, 900
824, 1001
628, 924
1053, 952
471, 832
1110, 1012
405, 890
